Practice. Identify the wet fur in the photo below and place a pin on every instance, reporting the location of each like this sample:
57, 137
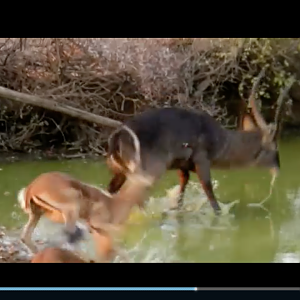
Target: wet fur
163, 135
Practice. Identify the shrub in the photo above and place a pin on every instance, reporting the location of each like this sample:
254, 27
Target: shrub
120, 77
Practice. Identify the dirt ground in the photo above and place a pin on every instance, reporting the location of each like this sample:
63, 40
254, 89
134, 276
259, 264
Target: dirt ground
12, 250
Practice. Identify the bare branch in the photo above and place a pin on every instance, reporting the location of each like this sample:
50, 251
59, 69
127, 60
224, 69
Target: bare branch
55, 106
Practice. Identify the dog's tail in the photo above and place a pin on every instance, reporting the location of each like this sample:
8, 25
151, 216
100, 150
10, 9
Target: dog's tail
22, 199
26, 201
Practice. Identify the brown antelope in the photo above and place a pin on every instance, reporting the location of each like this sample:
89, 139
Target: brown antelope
175, 138
57, 255
64, 199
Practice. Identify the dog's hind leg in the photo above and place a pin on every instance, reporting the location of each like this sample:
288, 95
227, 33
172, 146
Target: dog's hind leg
26, 236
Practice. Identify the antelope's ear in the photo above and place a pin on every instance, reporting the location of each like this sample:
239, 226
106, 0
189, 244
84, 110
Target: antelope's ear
248, 124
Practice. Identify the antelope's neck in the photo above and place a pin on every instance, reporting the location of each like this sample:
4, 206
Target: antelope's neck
133, 192
240, 149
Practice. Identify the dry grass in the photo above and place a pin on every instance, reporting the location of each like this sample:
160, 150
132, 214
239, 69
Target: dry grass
120, 77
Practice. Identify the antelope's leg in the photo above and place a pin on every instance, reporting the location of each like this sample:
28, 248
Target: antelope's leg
116, 183
202, 168
28, 230
184, 177
73, 232
104, 245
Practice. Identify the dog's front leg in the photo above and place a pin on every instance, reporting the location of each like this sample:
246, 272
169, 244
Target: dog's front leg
73, 232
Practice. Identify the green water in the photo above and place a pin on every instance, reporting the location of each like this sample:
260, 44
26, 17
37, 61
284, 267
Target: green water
248, 234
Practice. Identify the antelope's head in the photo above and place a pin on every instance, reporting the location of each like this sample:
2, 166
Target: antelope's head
268, 154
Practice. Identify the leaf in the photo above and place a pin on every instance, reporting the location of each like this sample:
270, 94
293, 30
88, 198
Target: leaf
203, 85
286, 63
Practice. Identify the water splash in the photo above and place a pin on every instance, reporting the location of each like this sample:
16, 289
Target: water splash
261, 204
196, 210
196, 200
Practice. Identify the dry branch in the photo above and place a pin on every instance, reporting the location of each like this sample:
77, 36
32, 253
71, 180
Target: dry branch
58, 107
105, 81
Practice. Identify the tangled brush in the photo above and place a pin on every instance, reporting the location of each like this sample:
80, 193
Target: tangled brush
118, 78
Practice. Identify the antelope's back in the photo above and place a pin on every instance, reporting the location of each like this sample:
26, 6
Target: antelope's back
165, 130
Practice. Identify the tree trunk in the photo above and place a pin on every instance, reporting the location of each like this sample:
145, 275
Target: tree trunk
59, 107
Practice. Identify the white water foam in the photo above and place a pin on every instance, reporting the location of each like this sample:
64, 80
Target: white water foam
158, 241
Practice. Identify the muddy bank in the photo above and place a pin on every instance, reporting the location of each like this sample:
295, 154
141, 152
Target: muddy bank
12, 249
10, 157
